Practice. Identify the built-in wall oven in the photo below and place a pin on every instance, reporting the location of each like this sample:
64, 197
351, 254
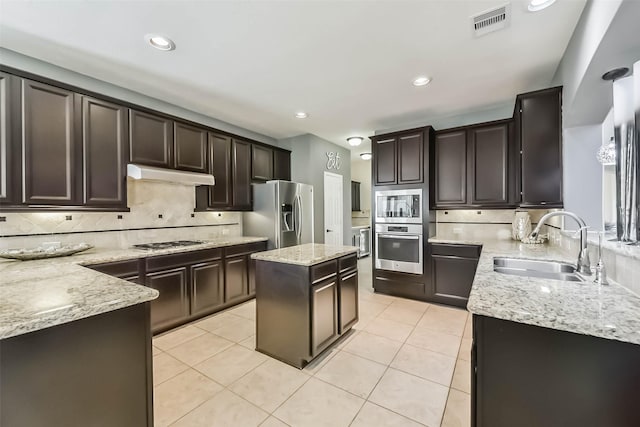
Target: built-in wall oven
399, 206
399, 247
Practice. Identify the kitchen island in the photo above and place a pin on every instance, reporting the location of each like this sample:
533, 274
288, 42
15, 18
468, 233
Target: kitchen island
306, 299
561, 352
75, 343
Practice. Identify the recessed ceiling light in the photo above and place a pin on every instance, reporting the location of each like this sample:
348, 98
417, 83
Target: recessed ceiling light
365, 156
160, 42
536, 5
301, 115
354, 141
421, 81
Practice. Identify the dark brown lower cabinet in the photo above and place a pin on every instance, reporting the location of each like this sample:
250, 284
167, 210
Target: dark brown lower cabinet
236, 278
93, 372
529, 376
172, 305
453, 268
324, 313
302, 310
207, 287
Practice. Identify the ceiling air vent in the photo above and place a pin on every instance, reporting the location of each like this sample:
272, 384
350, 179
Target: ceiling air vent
491, 20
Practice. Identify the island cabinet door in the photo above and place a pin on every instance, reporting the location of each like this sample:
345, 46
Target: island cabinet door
236, 278
207, 287
172, 305
324, 314
348, 300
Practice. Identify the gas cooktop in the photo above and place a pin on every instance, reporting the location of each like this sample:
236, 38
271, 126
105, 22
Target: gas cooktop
167, 245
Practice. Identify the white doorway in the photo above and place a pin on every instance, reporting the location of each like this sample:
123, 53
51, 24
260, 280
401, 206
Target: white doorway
333, 213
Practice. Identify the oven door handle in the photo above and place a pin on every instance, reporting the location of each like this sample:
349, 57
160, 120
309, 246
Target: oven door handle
396, 236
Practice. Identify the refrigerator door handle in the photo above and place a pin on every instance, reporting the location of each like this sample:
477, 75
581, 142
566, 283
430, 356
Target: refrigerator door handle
299, 219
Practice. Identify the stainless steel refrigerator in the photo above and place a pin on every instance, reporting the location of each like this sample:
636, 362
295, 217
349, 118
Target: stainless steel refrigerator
283, 212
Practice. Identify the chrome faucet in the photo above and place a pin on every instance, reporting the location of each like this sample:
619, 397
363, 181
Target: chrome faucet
584, 264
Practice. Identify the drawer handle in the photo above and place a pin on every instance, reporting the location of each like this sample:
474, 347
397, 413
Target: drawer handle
325, 287
349, 276
322, 279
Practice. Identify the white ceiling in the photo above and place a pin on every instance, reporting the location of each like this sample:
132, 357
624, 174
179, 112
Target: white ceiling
349, 64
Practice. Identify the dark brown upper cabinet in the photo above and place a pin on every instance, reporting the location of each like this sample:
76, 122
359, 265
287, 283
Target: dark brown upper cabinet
489, 169
9, 139
539, 123
151, 139
241, 174
410, 158
51, 145
451, 168
220, 195
261, 163
474, 166
105, 146
399, 158
190, 147
384, 161
282, 165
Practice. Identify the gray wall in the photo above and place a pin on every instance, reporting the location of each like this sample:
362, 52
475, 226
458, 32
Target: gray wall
308, 164
582, 175
45, 69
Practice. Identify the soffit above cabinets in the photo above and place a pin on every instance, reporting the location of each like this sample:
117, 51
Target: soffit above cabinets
349, 65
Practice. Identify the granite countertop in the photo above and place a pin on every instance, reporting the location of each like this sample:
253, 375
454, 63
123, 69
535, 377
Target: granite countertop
306, 255
39, 294
610, 312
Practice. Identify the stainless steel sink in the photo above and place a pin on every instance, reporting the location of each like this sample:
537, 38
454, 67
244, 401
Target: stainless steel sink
536, 268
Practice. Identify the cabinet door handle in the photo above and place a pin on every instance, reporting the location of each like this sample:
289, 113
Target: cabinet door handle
349, 276
325, 287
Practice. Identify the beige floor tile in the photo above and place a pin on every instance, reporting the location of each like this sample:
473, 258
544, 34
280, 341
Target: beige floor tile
166, 366
377, 298
435, 341
155, 350
352, 373
363, 322
458, 410
343, 342
273, 422
199, 349
444, 319
371, 309
411, 304
402, 314
425, 363
216, 321
468, 328
237, 330
230, 364
373, 415
317, 403
225, 409
319, 362
373, 347
462, 376
389, 329
177, 396
465, 349
176, 337
246, 310
270, 384
249, 343
416, 398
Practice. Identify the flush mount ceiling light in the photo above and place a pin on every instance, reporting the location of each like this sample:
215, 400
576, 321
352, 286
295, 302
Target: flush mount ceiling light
354, 141
160, 42
421, 81
615, 74
365, 156
301, 115
537, 5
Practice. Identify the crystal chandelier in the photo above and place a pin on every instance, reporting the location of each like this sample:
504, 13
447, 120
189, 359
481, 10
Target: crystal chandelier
607, 153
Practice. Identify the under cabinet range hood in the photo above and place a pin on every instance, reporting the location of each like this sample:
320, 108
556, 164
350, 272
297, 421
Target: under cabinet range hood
151, 173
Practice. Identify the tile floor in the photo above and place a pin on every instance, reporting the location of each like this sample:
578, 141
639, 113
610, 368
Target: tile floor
405, 364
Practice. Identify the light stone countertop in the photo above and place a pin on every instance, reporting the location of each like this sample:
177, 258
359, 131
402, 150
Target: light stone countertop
610, 312
42, 293
305, 255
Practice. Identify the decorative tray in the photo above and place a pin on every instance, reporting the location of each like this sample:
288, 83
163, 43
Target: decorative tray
43, 252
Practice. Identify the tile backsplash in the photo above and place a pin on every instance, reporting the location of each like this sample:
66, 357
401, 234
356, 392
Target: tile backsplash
479, 224
158, 211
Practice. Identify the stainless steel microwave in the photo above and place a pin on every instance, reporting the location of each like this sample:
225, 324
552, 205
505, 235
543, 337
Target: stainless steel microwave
399, 206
